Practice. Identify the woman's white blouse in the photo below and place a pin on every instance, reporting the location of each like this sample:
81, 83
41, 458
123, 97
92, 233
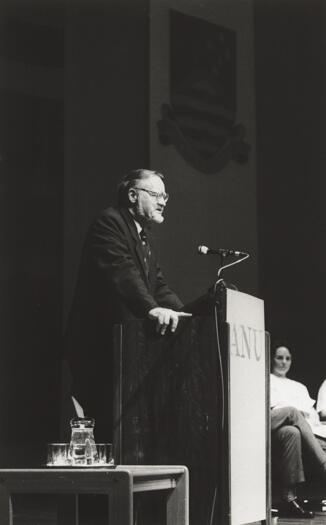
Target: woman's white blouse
286, 392
321, 399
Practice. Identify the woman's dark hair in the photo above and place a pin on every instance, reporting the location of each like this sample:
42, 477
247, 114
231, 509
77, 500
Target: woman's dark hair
277, 343
129, 180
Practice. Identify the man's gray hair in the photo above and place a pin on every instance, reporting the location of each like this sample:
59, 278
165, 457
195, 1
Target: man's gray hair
129, 180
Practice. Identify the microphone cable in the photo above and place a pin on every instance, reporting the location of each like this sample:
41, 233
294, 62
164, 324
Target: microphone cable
221, 424
220, 365
219, 352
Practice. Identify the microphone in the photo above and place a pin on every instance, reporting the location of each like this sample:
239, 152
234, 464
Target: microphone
204, 250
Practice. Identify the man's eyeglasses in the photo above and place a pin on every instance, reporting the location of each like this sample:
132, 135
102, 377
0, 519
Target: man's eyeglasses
157, 195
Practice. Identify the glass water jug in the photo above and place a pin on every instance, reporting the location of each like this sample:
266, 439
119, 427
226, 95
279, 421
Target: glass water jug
82, 449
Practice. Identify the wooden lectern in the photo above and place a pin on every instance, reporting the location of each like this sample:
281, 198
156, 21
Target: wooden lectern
199, 397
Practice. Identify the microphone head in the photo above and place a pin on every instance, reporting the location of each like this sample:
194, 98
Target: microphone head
203, 250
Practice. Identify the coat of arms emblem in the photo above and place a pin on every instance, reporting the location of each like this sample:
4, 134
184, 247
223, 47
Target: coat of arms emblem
200, 120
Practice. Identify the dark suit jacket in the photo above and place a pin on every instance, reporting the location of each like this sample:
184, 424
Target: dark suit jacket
112, 287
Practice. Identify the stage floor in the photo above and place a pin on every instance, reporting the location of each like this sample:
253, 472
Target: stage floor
319, 519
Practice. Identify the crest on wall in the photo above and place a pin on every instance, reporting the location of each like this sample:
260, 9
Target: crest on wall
200, 121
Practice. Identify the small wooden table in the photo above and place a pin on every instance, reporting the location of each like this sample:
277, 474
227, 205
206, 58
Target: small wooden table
119, 484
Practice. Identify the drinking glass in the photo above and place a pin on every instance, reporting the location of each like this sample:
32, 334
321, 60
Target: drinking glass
58, 454
104, 454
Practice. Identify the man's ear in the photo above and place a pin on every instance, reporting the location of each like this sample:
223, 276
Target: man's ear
132, 195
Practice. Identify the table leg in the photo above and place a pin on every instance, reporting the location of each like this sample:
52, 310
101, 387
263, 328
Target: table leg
121, 500
177, 508
6, 512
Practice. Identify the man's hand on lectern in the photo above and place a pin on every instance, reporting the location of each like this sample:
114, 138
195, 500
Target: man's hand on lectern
165, 318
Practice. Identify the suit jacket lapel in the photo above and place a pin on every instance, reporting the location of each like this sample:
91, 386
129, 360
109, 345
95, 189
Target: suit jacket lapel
136, 241
152, 262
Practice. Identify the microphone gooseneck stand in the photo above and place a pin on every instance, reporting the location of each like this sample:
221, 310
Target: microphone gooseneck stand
220, 282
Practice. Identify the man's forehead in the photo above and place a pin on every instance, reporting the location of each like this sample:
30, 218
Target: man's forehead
153, 182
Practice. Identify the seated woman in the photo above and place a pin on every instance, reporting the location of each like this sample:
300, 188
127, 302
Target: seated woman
321, 401
292, 435
287, 392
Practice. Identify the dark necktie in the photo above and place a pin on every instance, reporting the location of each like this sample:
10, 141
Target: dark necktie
146, 249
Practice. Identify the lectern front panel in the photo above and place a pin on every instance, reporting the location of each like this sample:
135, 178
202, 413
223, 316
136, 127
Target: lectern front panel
247, 408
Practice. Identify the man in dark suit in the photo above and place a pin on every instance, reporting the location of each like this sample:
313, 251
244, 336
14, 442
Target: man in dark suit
119, 280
